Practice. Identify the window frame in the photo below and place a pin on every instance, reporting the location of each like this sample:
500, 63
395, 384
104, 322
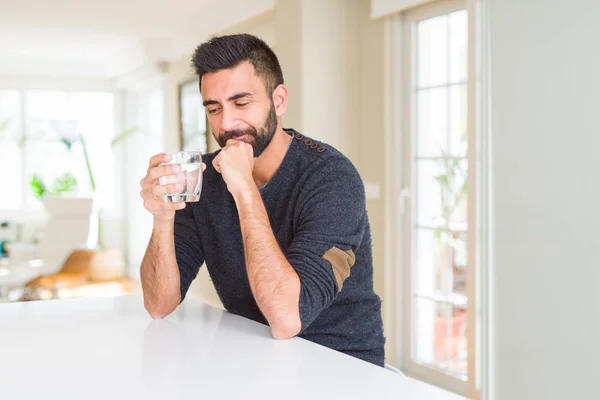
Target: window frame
399, 70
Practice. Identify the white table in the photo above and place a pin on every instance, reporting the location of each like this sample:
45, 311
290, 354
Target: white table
109, 348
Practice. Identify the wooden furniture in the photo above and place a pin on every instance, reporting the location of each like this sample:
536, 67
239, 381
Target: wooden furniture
75, 271
82, 267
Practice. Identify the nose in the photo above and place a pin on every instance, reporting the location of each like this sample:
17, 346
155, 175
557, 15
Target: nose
229, 119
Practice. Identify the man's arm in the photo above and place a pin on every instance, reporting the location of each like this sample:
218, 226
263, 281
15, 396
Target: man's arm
174, 237
291, 290
274, 283
159, 272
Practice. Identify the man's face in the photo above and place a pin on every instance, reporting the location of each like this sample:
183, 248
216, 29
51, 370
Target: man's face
239, 107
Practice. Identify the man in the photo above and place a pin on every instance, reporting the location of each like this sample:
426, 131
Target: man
281, 223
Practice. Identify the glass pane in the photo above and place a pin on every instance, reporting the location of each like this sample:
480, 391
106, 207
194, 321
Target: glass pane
432, 51
44, 111
10, 116
428, 201
455, 201
193, 118
458, 26
61, 129
10, 150
426, 317
458, 250
432, 122
444, 179
458, 120
156, 117
439, 237
431, 269
440, 337
47, 160
94, 116
11, 168
441, 193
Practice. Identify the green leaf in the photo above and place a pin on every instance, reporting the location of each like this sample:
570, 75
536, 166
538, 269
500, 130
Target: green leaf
443, 181
38, 187
88, 164
64, 184
68, 143
122, 137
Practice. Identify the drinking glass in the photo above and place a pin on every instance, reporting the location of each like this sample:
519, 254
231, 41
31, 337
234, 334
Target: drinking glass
189, 176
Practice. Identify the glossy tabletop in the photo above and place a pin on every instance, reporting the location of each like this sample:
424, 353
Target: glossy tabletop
109, 348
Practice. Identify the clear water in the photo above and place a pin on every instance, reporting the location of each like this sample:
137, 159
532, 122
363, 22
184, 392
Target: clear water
191, 179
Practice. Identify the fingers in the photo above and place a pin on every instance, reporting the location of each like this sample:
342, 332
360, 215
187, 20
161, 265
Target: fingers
165, 170
158, 172
216, 162
156, 206
159, 158
180, 205
160, 190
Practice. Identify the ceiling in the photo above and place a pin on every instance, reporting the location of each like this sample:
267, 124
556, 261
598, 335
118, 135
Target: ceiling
86, 38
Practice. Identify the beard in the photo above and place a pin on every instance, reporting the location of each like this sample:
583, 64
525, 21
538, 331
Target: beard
259, 139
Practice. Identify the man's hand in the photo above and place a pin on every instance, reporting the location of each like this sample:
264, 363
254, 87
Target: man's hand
236, 162
152, 191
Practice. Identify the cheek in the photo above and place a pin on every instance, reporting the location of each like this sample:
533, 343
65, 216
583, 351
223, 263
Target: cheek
214, 122
257, 117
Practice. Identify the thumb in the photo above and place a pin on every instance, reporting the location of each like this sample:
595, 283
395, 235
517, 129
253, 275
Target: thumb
216, 163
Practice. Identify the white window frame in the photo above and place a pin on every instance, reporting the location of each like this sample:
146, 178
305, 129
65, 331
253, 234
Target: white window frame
398, 96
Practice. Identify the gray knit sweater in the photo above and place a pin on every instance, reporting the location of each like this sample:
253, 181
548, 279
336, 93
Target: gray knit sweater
316, 206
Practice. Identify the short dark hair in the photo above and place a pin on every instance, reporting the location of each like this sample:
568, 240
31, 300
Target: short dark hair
225, 52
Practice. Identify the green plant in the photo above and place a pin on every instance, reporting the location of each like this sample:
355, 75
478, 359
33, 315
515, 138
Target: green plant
118, 139
63, 184
4, 124
38, 187
452, 181
87, 163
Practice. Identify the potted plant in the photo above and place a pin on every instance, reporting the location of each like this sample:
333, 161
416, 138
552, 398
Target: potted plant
452, 181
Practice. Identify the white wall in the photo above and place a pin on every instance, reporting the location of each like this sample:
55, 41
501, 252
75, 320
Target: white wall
318, 47
546, 139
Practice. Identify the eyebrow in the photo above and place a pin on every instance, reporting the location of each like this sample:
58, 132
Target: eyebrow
231, 98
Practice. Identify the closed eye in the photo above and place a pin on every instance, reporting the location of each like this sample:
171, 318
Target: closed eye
242, 105
213, 110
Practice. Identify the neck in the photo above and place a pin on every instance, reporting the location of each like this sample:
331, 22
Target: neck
269, 161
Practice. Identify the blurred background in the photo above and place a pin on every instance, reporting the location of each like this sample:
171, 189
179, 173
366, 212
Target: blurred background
473, 124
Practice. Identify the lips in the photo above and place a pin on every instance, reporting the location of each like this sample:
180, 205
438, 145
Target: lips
240, 137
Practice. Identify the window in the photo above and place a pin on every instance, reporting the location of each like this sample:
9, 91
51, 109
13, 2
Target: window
11, 166
49, 134
192, 117
435, 225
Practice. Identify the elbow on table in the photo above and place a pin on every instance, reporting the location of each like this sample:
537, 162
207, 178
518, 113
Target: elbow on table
286, 329
158, 311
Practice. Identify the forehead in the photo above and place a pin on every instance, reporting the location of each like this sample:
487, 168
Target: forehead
216, 85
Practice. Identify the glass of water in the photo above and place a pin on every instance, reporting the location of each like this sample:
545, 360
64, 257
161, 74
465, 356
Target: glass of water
189, 176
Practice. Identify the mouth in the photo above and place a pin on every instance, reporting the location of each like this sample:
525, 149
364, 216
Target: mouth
239, 138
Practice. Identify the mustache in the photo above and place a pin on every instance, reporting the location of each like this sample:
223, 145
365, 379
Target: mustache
225, 136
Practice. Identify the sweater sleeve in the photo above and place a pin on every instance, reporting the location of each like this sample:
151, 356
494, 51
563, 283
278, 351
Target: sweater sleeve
329, 230
188, 250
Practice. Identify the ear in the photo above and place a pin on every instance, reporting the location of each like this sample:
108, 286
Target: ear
280, 95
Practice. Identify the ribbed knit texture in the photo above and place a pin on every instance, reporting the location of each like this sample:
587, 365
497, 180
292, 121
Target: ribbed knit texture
315, 201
